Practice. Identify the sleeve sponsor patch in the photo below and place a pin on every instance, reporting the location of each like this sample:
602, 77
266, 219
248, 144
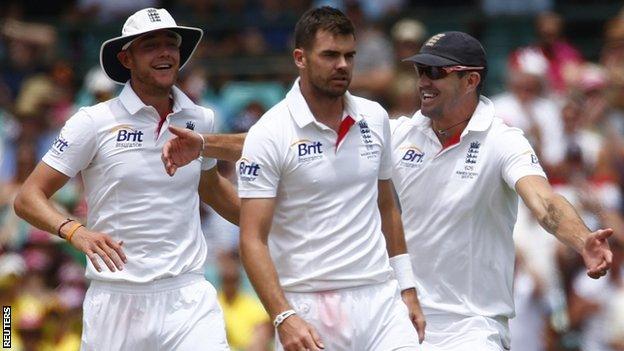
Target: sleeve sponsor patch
248, 170
59, 145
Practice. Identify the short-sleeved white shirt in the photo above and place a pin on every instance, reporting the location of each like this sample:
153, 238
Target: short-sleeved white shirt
326, 231
130, 197
459, 208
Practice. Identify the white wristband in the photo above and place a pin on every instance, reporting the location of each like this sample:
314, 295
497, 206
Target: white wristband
402, 266
282, 317
201, 152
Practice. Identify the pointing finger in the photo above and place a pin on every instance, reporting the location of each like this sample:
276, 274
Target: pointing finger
181, 132
604, 234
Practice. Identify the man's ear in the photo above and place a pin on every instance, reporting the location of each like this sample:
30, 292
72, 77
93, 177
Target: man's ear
473, 80
124, 58
299, 58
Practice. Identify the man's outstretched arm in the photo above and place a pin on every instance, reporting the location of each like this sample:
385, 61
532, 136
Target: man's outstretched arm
188, 145
558, 217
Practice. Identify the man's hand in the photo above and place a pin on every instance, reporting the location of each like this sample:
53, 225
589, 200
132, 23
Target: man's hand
95, 244
181, 150
410, 298
297, 335
596, 253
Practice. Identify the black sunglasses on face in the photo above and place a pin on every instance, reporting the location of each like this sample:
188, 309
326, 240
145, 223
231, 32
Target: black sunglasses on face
439, 72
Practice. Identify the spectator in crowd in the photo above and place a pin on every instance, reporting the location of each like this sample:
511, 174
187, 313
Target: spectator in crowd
374, 61
563, 58
96, 88
526, 105
248, 117
103, 11
408, 35
615, 320
515, 7
527, 327
612, 53
29, 48
246, 322
591, 300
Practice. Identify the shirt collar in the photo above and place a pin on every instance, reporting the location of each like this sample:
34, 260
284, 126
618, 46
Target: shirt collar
133, 104
481, 118
300, 111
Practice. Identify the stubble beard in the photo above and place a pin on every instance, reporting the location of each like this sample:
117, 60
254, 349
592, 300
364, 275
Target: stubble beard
152, 83
433, 114
326, 90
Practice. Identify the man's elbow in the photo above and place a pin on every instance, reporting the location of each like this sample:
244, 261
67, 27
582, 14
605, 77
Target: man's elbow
20, 204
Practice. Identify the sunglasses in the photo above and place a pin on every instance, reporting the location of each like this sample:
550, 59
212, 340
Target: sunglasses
439, 72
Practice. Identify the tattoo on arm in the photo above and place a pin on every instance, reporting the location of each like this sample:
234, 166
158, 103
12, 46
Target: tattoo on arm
553, 218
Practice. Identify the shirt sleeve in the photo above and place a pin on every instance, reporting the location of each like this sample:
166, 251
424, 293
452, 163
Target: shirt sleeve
259, 167
207, 162
385, 166
518, 157
75, 146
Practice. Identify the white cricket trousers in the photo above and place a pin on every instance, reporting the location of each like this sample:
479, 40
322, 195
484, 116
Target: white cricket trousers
179, 313
451, 332
364, 318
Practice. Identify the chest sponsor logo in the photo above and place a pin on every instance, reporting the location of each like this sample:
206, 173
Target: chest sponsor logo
190, 125
59, 145
412, 156
308, 150
248, 170
469, 168
127, 137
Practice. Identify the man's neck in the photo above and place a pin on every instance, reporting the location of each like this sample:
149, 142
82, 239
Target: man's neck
455, 122
157, 98
325, 109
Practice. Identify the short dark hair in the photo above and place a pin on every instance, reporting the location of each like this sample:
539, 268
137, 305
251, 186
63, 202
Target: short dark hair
321, 18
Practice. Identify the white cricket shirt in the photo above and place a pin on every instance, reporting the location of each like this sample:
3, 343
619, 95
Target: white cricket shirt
459, 208
326, 231
130, 197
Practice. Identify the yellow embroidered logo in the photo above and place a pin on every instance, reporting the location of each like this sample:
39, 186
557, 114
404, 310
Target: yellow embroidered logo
434, 39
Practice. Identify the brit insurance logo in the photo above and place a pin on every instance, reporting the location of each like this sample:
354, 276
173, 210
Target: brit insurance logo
248, 170
307, 150
127, 137
412, 156
60, 144
534, 159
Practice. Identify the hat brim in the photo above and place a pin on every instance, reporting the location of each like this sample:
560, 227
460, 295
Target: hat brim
431, 60
120, 74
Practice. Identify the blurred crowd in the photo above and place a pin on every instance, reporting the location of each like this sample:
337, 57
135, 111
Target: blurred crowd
569, 104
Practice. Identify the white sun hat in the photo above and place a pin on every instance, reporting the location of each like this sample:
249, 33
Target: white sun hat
142, 22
